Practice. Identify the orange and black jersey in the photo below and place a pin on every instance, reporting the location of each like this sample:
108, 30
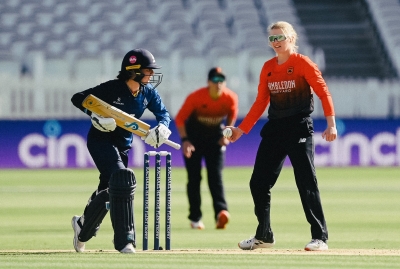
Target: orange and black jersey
205, 114
288, 89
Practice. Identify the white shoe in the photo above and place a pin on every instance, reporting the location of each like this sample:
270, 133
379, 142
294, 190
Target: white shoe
78, 245
316, 244
128, 249
253, 243
197, 225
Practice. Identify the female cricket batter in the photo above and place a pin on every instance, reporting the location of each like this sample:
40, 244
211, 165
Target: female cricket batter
132, 92
199, 122
287, 83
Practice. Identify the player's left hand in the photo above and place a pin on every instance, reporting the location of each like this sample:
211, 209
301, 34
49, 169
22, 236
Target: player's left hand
157, 136
103, 124
330, 134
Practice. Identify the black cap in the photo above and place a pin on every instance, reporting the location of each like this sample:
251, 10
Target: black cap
137, 59
216, 72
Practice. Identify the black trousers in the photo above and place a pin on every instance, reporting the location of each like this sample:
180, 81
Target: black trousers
214, 156
298, 144
108, 159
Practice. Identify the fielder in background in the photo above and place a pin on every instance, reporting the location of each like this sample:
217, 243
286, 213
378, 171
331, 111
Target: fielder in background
287, 83
132, 91
200, 123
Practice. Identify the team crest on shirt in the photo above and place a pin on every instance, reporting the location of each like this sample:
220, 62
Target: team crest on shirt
290, 70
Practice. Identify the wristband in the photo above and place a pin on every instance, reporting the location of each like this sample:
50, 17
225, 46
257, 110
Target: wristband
183, 139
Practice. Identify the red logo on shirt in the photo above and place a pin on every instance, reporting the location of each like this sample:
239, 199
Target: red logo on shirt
290, 70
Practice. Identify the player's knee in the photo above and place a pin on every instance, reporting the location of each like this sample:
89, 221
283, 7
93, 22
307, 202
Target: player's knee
122, 183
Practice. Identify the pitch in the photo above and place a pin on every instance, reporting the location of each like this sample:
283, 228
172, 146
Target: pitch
361, 207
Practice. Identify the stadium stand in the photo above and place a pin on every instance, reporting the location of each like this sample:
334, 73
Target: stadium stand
345, 31
82, 43
387, 17
88, 27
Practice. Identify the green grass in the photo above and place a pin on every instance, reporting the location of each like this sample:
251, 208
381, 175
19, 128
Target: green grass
361, 207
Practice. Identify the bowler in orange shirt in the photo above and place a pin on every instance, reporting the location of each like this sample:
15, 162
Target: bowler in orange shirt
287, 84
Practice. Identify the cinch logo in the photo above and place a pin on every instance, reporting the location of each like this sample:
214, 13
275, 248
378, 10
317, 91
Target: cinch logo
38, 151
53, 149
132, 125
356, 148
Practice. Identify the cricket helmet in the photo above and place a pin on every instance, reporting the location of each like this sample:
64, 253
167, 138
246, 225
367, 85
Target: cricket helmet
136, 60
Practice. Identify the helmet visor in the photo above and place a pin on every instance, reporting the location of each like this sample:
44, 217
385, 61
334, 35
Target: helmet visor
155, 79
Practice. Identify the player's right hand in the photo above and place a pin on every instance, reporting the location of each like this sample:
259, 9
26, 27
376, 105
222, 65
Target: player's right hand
236, 133
103, 124
157, 136
187, 148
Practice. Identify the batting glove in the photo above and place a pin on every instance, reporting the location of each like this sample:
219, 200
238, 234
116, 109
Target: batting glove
103, 124
157, 136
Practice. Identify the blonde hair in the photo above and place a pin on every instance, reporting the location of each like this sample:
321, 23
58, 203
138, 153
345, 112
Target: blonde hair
288, 30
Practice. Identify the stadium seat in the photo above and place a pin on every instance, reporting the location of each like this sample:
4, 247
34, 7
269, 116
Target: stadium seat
9, 67
88, 68
57, 67
194, 69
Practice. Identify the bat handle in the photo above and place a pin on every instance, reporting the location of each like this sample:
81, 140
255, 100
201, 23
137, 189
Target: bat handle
173, 144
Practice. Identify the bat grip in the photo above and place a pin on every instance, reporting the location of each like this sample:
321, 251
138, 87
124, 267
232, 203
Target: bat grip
173, 144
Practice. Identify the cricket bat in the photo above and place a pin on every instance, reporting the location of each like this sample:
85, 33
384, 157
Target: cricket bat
122, 119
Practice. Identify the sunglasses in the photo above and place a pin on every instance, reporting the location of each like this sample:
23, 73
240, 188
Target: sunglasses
279, 38
217, 79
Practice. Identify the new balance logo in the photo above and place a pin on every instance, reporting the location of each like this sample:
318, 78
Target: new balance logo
302, 140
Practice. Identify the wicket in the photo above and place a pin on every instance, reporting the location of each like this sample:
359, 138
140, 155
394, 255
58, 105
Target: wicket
157, 206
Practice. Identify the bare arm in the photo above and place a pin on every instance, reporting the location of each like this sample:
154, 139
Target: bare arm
330, 134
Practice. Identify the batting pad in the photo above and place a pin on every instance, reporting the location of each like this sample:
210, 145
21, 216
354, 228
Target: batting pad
94, 214
122, 187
